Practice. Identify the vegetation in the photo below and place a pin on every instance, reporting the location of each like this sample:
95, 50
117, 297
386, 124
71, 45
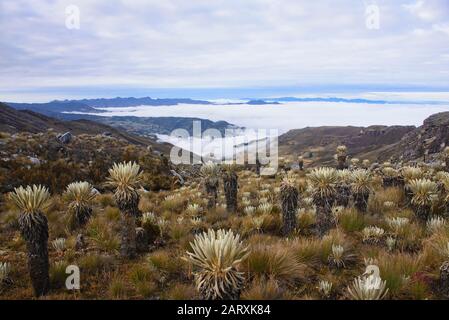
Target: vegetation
226, 232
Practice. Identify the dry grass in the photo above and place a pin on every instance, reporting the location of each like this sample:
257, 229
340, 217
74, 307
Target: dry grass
276, 268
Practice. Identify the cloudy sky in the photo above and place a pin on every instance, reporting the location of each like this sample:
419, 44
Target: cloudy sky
178, 47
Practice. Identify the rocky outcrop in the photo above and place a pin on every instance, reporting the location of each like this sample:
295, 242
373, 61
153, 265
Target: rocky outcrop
426, 142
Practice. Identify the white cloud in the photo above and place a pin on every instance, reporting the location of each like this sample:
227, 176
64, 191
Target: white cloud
201, 43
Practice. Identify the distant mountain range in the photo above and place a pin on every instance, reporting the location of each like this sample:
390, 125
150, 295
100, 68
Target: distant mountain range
90, 105
348, 100
75, 110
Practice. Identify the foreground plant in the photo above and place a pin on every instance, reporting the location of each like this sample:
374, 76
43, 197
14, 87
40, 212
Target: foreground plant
125, 178
218, 254
371, 287
425, 192
230, 186
79, 195
33, 224
289, 204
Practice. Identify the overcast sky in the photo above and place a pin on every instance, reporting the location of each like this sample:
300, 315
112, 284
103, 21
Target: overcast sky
143, 45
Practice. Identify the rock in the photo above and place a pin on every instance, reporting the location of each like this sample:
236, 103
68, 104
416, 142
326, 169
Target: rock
107, 134
65, 138
80, 242
34, 160
141, 240
177, 175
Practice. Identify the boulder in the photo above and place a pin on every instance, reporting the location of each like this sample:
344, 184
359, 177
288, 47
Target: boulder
65, 138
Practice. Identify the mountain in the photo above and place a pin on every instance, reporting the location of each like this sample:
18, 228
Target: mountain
89, 105
132, 102
426, 142
377, 143
318, 144
350, 100
13, 121
53, 106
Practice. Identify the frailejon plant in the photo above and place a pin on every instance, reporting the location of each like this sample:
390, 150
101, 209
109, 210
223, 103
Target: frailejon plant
391, 176
193, 209
425, 192
372, 234
289, 205
368, 288
336, 257
33, 224
435, 224
230, 186
322, 182
125, 178
210, 172
59, 244
361, 187
343, 187
5, 269
301, 163
79, 196
341, 157
366, 163
217, 255
325, 288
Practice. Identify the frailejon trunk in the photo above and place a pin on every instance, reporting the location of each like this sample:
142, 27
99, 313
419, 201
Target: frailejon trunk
80, 217
324, 221
289, 198
129, 211
341, 163
422, 212
444, 279
34, 230
343, 195
212, 194
230, 185
361, 201
128, 246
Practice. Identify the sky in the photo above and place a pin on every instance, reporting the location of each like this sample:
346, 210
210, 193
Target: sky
220, 48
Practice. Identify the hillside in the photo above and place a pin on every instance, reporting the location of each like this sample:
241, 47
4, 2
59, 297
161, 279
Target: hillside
425, 142
318, 144
376, 143
149, 125
13, 121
